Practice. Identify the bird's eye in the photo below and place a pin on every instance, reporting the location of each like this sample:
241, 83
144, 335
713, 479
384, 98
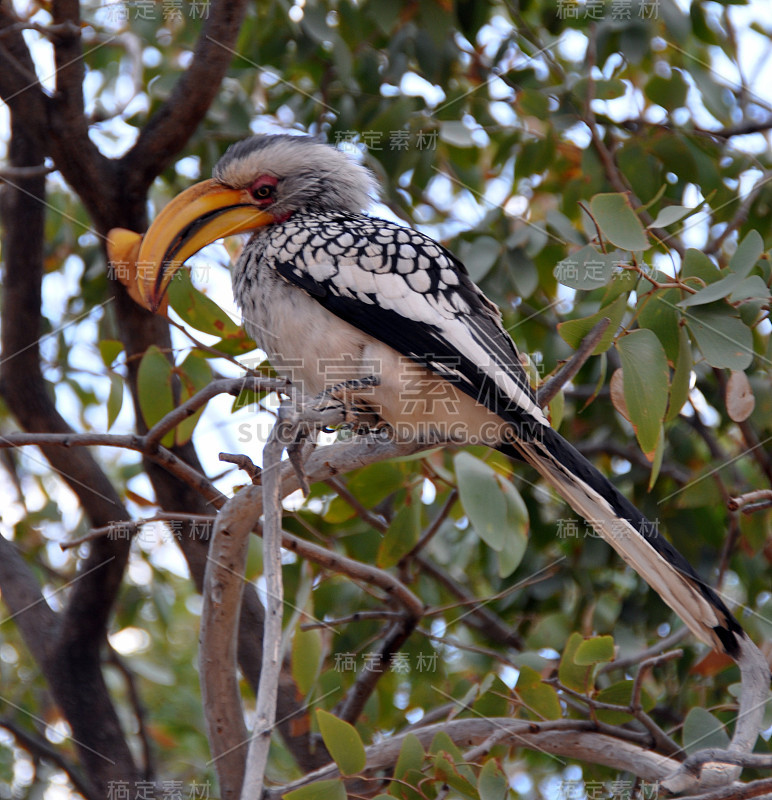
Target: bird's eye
263, 192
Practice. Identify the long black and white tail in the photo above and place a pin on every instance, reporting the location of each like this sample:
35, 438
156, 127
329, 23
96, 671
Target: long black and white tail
636, 539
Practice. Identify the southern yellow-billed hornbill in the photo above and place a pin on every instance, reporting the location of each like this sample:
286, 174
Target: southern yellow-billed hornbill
333, 295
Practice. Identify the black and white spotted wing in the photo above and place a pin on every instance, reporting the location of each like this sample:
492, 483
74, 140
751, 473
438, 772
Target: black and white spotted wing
404, 289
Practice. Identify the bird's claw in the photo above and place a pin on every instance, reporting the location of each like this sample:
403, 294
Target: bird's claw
342, 397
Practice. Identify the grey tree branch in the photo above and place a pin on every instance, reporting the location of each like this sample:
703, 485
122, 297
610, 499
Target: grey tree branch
578, 739
224, 581
265, 712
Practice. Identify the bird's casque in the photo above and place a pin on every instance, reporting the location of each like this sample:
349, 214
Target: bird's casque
333, 295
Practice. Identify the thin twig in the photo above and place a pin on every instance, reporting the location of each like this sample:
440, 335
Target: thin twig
552, 386
268, 689
149, 770
751, 501
39, 748
432, 530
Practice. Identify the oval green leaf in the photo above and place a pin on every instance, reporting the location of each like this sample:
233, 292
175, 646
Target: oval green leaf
343, 743
198, 310
703, 730
319, 790
747, 254
725, 341
539, 698
492, 783
574, 331
411, 756
483, 501
645, 371
154, 387
586, 268
114, 399
679, 385
618, 222
306, 658
401, 536
194, 373
597, 650
570, 673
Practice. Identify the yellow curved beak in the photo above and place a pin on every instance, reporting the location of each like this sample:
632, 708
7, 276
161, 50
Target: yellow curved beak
195, 218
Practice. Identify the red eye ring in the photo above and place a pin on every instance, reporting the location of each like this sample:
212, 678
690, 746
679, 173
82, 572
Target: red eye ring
263, 190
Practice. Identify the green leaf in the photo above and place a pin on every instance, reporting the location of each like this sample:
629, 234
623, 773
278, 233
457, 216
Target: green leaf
698, 265
531, 102
516, 529
482, 499
197, 310
479, 255
618, 222
574, 331
725, 341
586, 268
455, 133
306, 658
154, 388
747, 254
656, 460
109, 349
442, 743
679, 385
620, 694
603, 89
453, 775
319, 790
401, 536
194, 374
114, 399
343, 743
540, 698
492, 784
570, 673
234, 344
670, 214
670, 93
714, 291
645, 372
702, 730
661, 315
411, 756
597, 650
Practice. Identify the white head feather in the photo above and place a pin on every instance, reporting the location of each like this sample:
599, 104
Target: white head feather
311, 175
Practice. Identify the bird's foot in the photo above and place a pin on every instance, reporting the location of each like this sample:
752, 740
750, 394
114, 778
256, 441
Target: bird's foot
346, 398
